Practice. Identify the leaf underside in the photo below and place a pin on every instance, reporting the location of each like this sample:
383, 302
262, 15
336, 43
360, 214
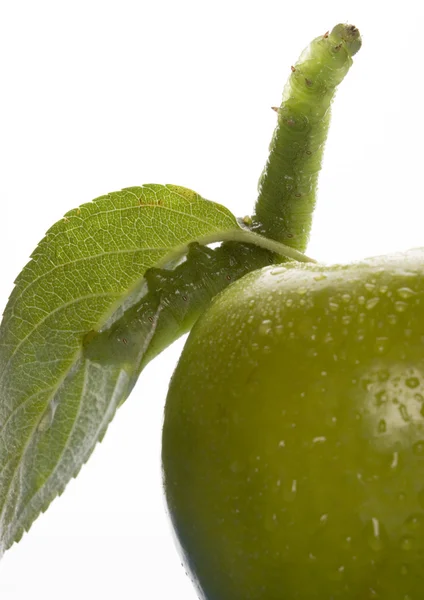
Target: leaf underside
55, 402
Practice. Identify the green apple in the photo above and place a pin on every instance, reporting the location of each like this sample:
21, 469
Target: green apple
293, 439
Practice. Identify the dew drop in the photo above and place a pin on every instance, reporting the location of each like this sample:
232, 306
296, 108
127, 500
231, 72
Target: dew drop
346, 319
412, 382
414, 522
337, 575
265, 328
395, 460
383, 289
400, 306
301, 291
418, 448
380, 398
346, 298
328, 338
381, 345
382, 426
289, 302
371, 303
405, 293
361, 299
369, 286
320, 277
404, 412
374, 537
407, 543
333, 306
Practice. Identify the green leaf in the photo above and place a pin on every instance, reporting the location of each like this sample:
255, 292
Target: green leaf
55, 402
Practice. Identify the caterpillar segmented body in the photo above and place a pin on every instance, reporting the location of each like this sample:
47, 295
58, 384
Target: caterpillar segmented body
172, 303
288, 184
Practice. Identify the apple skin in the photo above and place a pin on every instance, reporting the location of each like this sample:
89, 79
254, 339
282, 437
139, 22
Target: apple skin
293, 438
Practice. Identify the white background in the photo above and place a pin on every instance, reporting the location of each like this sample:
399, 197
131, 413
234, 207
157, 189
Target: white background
97, 96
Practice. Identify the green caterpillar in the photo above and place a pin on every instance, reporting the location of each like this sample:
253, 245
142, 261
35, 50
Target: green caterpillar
172, 301
173, 298
288, 184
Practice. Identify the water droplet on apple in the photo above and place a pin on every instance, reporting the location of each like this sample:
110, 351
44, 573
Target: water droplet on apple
265, 328
412, 382
407, 543
405, 292
380, 398
375, 535
369, 286
346, 319
392, 319
333, 306
338, 574
415, 522
382, 426
301, 291
319, 439
395, 460
404, 412
371, 303
383, 289
418, 448
400, 306
289, 302
346, 298
381, 345
320, 277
